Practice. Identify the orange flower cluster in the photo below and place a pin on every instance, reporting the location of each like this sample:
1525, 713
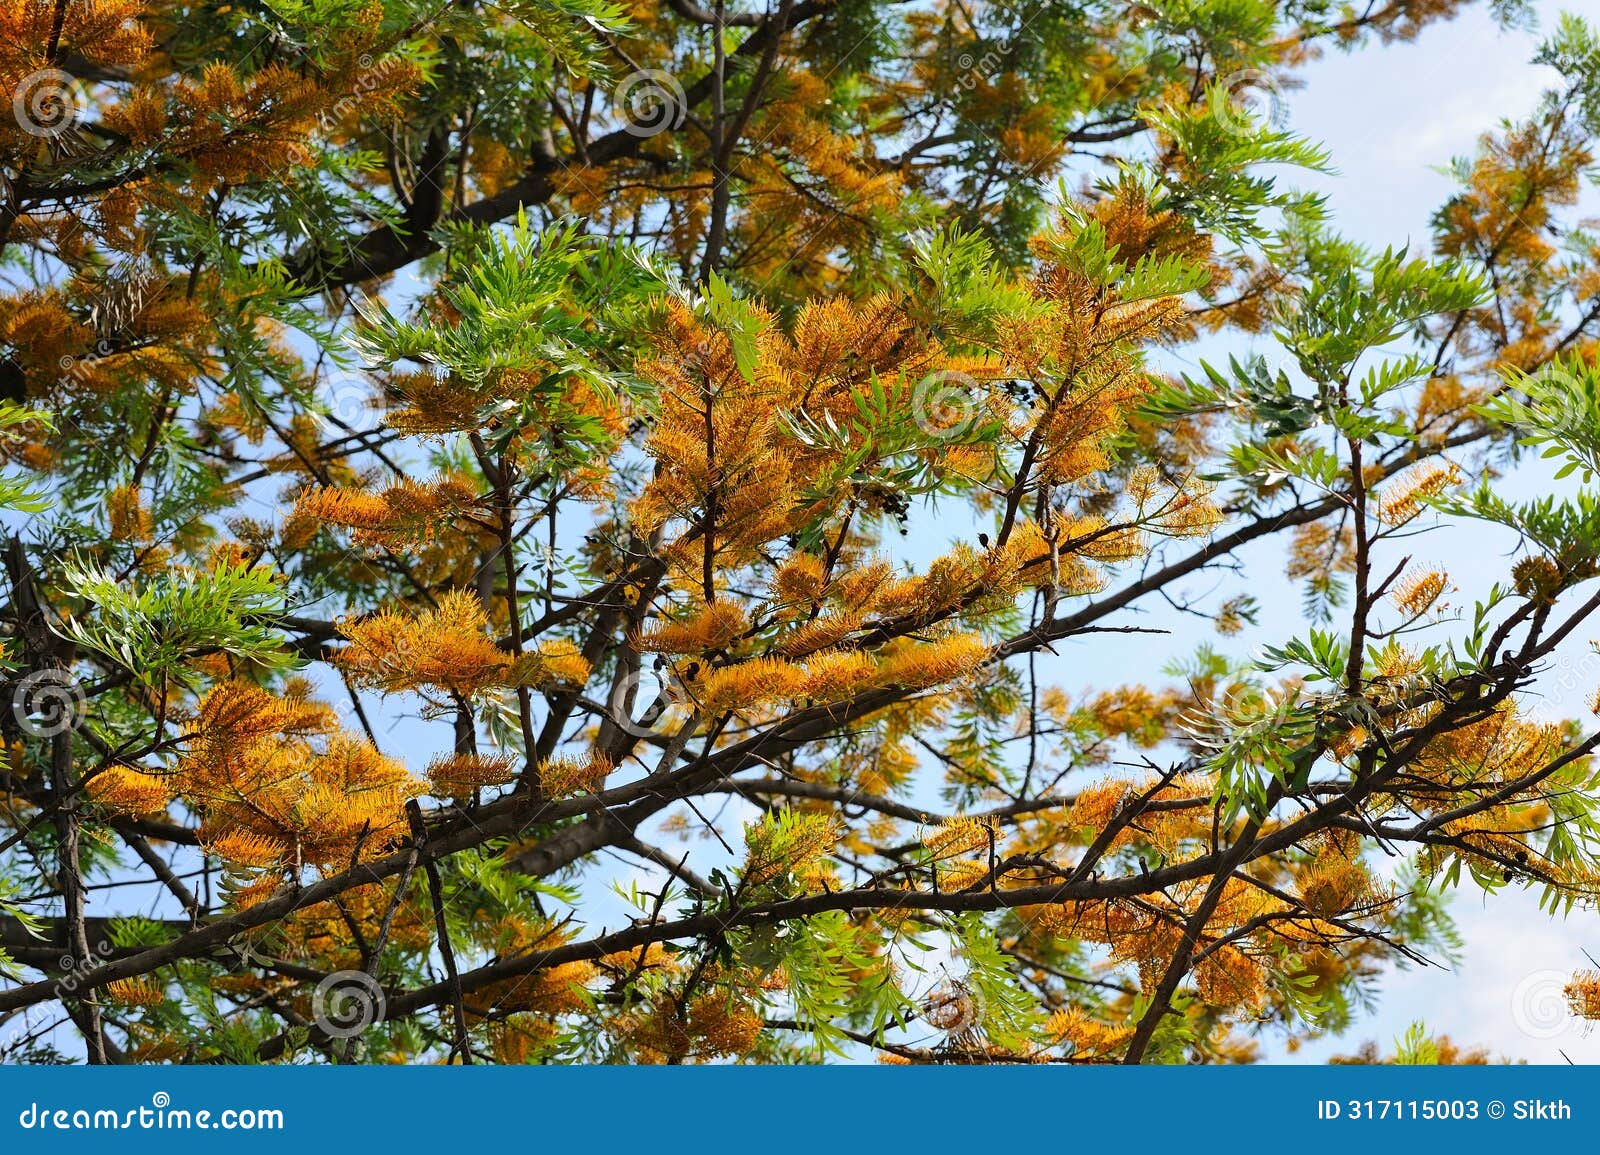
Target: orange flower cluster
278, 784
407, 512
448, 647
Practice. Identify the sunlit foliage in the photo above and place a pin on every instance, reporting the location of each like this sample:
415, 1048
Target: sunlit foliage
592, 526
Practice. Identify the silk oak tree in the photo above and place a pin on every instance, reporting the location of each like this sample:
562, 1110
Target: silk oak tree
566, 532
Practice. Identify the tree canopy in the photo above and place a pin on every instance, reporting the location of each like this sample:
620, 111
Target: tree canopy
561, 531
